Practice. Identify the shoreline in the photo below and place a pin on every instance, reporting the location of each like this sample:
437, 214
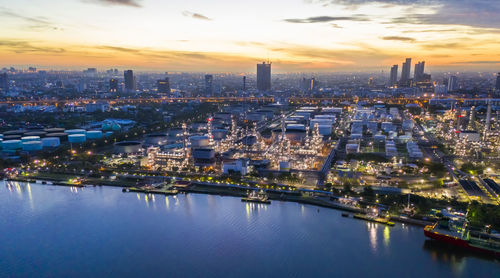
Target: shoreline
201, 188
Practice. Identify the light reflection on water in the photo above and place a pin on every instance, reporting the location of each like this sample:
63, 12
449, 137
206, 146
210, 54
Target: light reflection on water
205, 236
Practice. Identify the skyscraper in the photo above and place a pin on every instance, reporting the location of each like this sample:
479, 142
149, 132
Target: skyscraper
497, 86
418, 75
244, 83
405, 71
452, 83
393, 79
4, 82
113, 85
130, 84
209, 84
264, 76
163, 86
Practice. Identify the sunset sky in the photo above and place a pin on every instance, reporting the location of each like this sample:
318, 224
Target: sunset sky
233, 35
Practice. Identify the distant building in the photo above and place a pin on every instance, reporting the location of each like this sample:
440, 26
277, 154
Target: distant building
130, 84
405, 71
418, 75
244, 83
4, 82
452, 83
393, 79
209, 84
497, 86
113, 85
309, 84
264, 76
163, 86
97, 107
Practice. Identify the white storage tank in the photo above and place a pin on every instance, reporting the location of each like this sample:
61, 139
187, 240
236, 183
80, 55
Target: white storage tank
51, 142
77, 138
156, 139
75, 131
199, 141
30, 138
32, 145
94, 134
325, 130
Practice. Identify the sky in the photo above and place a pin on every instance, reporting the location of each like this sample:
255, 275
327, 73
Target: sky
234, 35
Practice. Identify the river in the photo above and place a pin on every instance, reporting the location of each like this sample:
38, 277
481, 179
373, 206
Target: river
55, 231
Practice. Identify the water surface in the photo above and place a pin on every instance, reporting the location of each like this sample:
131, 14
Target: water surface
53, 231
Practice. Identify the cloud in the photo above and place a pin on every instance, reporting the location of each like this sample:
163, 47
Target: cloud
322, 19
476, 62
195, 15
477, 13
398, 38
19, 46
129, 3
32, 22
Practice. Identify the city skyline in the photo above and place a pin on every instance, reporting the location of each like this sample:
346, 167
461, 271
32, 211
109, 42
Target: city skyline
315, 36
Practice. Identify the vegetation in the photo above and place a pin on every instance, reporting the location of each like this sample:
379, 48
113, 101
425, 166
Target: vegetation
472, 169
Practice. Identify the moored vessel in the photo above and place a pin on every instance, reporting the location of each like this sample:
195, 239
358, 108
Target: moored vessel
255, 197
466, 239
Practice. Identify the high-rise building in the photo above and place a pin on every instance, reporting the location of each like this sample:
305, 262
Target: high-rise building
497, 86
113, 85
209, 84
393, 79
4, 82
163, 86
418, 75
130, 84
244, 83
405, 71
264, 76
452, 83
309, 84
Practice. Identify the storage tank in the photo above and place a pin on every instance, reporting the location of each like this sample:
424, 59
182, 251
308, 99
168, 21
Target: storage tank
295, 127
219, 134
12, 137
156, 139
30, 138
203, 153
75, 131
174, 132
77, 138
63, 137
32, 145
199, 141
325, 130
54, 130
285, 166
40, 134
94, 134
15, 132
51, 142
12, 144
126, 147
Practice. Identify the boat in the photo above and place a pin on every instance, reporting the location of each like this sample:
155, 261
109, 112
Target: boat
345, 214
466, 239
373, 218
255, 197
